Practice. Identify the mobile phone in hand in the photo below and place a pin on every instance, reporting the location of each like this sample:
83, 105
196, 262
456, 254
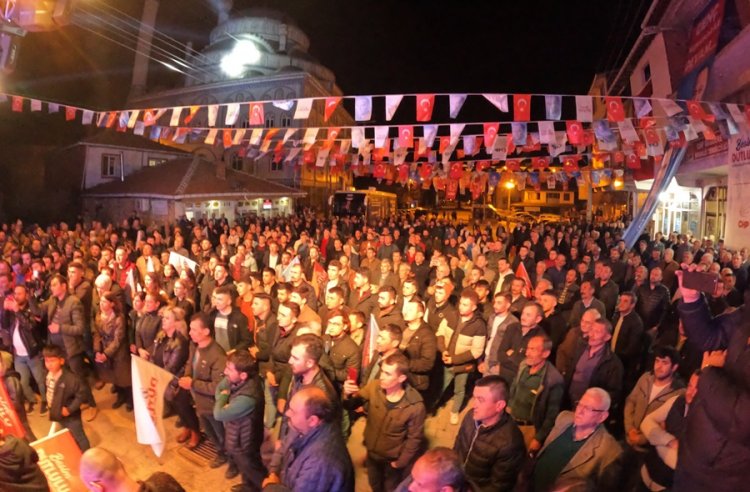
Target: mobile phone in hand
702, 281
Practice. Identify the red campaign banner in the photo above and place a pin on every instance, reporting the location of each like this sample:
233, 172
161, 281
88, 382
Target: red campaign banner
59, 459
9, 420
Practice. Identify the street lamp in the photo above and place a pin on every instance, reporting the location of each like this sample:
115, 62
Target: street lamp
509, 185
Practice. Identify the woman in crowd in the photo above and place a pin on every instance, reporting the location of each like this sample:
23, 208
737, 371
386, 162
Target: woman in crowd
111, 349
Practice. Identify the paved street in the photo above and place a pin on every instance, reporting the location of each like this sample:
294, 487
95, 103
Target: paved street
115, 430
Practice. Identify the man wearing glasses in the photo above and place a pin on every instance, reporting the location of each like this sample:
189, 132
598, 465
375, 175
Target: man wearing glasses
579, 450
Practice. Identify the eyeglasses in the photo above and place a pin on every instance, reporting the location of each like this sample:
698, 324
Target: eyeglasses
588, 408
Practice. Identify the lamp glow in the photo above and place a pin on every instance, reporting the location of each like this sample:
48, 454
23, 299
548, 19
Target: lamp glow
244, 53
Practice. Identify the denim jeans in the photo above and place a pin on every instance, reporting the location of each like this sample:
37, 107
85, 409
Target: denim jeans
459, 387
31, 366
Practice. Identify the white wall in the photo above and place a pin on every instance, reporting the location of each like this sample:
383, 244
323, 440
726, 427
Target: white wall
134, 160
656, 57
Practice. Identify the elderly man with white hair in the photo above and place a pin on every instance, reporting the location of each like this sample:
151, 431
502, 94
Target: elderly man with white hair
579, 449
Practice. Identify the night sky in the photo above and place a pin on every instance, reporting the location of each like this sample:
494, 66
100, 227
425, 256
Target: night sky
373, 47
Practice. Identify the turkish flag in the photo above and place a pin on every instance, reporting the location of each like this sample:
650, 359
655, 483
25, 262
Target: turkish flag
575, 132
444, 143
570, 164
615, 109
308, 156
490, 134
482, 165
191, 114
425, 171
425, 103
405, 136
539, 163
226, 138
403, 173
696, 111
256, 114
331, 105
521, 107
456, 171
379, 171
588, 138
652, 137
333, 134
513, 165
523, 274
17, 104
633, 161
619, 157
70, 113
451, 190
111, 119
647, 122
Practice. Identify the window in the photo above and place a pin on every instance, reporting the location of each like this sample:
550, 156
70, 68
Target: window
269, 121
277, 166
647, 72
286, 121
110, 165
237, 162
155, 161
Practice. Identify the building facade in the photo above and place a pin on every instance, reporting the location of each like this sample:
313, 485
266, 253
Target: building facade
281, 69
695, 49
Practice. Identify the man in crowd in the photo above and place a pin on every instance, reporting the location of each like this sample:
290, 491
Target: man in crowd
497, 326
66, 392
204, 372
579, 452
230, 326
628, 335
513, 347
65, 324
488, 443
461, 347
437, 470
395, 423
238, 407
536, 393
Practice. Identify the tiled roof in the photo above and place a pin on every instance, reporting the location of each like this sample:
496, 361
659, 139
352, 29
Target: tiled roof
189, 177
127, 140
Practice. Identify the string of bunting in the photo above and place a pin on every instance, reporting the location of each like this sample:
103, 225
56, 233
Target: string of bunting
408, 151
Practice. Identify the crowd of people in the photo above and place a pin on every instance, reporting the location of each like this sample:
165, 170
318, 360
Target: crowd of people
585, 365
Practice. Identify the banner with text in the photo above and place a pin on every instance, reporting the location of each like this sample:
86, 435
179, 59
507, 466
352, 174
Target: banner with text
738, 207
59, 459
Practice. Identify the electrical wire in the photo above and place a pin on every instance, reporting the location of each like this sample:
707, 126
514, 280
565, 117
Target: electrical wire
159, 35
114, 29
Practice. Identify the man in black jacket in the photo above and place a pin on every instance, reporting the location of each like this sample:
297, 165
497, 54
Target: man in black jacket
19, 468
489, 444
65, 394
713, 453
419, 344
203, 373
595, 365
265, 332
25, 334
230, 326
239, 407
628, 337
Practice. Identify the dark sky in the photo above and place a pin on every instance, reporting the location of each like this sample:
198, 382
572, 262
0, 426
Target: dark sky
373, 46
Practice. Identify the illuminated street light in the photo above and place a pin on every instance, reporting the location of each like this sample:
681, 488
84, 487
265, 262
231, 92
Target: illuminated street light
244, 53
509, 185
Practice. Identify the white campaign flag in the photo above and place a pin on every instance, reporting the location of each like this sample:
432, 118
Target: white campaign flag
177, 260
500, 101
455, 102
584, 108
233, 112
362, 108
149, 383
304, 106
391, 105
